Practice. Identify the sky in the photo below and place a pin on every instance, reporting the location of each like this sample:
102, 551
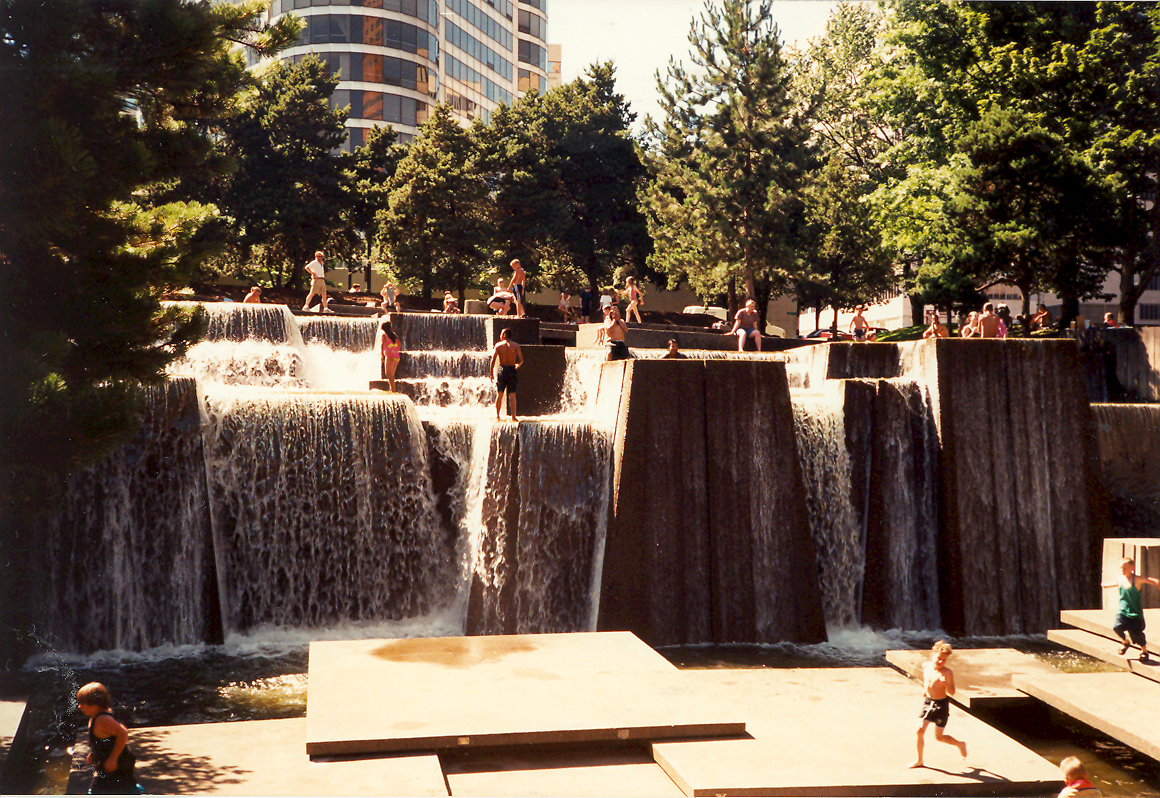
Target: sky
640, 36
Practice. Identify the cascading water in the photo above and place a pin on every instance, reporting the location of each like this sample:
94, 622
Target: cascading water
353, 335
1130, 465
323, 511
869, 456
819, 423
128, 560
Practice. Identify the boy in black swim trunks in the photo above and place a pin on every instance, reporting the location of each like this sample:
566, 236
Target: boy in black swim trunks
109, 752
939, 683
510, 359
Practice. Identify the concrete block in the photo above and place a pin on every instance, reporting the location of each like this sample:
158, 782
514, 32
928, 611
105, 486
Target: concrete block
463, 692
541, 382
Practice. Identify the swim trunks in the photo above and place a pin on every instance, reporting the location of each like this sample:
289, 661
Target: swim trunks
618, 350
859, 333
936, 710
507, 379
518, 292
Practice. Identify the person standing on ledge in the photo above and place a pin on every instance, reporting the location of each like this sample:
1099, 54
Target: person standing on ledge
389, 297
859, 327
517, 286
510, 358
634, 300
1130, 612
317, 273
939, 683
989, 325
391, 353
745, 325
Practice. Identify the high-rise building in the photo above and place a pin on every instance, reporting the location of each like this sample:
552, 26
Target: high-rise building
397, 58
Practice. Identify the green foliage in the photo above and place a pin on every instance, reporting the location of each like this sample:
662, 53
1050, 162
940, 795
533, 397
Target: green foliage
728, 163
847, 265
436, 223
103, 103
288, 190
1089, 73
564, 174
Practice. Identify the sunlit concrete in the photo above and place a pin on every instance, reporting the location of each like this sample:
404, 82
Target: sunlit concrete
460, 692
844, 732
263, 757
1121, 705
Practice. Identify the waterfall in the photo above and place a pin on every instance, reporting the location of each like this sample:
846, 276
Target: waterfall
1127, 435
441, 331
127, 560
237, 322
819, 423
322, 510
541, 524
869, 454
353, 335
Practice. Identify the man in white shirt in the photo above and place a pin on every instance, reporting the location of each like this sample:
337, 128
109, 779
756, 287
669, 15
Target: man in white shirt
317, 281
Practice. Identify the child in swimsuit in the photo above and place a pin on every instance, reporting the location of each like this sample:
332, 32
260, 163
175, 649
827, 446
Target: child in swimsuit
1076, 780
939, 683
109, 752
1130, 613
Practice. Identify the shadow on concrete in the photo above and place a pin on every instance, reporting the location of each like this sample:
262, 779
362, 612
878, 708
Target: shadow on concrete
163, 771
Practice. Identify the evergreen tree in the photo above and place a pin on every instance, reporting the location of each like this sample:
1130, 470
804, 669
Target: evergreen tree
725, 202
102, 102
289, 188
436, 223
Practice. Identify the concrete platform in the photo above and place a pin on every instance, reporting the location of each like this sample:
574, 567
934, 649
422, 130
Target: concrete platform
1107, 650
1121, 705
262, 757
459, 692
569, 772
1099, 622
843, 732
982, 676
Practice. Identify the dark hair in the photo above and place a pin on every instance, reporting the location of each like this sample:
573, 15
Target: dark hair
504, 332
389, 331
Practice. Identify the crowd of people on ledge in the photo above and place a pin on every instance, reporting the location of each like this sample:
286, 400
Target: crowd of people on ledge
994, 322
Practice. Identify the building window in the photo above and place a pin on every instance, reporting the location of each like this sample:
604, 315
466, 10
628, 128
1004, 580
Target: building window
477, 18
1148, 312
343, 28
533, 54
530, 80
533, 25
1154, 283
540, 4
478, 50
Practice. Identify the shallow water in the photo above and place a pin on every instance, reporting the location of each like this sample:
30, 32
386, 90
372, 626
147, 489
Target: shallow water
263, 676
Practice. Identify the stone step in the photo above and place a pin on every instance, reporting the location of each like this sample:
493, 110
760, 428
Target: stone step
1106, 650
1119, 704
1099, 622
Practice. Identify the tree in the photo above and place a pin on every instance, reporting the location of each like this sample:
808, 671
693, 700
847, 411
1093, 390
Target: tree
1087, 72
372, 168
728, 163
1026, 212
287, 193
565, 174
102, 101
436, 224
848, 266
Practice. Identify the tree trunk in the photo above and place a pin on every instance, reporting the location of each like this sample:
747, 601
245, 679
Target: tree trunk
731, 296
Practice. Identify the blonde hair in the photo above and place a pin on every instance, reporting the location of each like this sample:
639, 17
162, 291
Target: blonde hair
1073, 769
1127, 560
94, 694
941, 647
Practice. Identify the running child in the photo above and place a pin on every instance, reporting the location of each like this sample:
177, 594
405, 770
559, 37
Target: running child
939, 684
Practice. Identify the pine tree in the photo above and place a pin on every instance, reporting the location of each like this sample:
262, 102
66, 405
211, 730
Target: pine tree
729, 160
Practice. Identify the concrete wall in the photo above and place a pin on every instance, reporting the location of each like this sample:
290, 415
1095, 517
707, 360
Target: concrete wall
687, 338
1023, 512
708, 538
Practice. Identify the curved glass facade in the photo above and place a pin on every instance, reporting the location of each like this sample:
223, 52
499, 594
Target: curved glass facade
396, 58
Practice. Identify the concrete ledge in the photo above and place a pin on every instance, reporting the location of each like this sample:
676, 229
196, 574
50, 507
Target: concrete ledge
1099, 622
983, 676
1106, 650
1121, 705
843, 731
260, 757
463, 692
644, 337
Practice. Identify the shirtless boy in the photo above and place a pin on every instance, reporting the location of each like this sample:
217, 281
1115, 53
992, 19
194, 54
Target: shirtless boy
517, 286
939, 683
859, 327
510, 359
989, 324
612, 333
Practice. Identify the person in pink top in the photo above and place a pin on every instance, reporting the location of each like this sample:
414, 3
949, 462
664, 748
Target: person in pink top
390, 353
